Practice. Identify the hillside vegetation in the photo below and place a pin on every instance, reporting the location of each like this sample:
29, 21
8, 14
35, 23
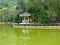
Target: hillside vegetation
42, 11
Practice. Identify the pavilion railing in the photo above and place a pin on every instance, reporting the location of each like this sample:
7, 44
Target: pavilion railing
36, 24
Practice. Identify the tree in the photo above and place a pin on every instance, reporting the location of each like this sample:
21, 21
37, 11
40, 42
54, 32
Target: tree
45, 11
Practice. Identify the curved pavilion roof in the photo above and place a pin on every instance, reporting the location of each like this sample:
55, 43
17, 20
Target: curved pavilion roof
24, 14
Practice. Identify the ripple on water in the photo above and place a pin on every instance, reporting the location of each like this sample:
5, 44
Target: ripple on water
13, 43
4, 34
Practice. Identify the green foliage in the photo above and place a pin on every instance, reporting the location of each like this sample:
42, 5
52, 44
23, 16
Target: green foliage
17, 19
44, 17
42, 11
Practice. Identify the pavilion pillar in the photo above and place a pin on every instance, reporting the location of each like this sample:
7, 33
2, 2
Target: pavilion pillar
28, 19
23, 19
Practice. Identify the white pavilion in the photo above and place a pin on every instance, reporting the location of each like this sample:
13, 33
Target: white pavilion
25, 17
25, 20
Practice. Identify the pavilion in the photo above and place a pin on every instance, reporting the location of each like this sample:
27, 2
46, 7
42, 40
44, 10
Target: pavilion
25, 17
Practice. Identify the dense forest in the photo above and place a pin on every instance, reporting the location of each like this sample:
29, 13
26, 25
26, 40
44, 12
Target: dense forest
42, 11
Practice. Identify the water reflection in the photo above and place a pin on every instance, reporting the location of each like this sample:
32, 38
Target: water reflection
18, 36
34, 37
23, 36
25, 32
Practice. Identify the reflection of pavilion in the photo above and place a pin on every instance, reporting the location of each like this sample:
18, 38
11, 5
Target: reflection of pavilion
25, 17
